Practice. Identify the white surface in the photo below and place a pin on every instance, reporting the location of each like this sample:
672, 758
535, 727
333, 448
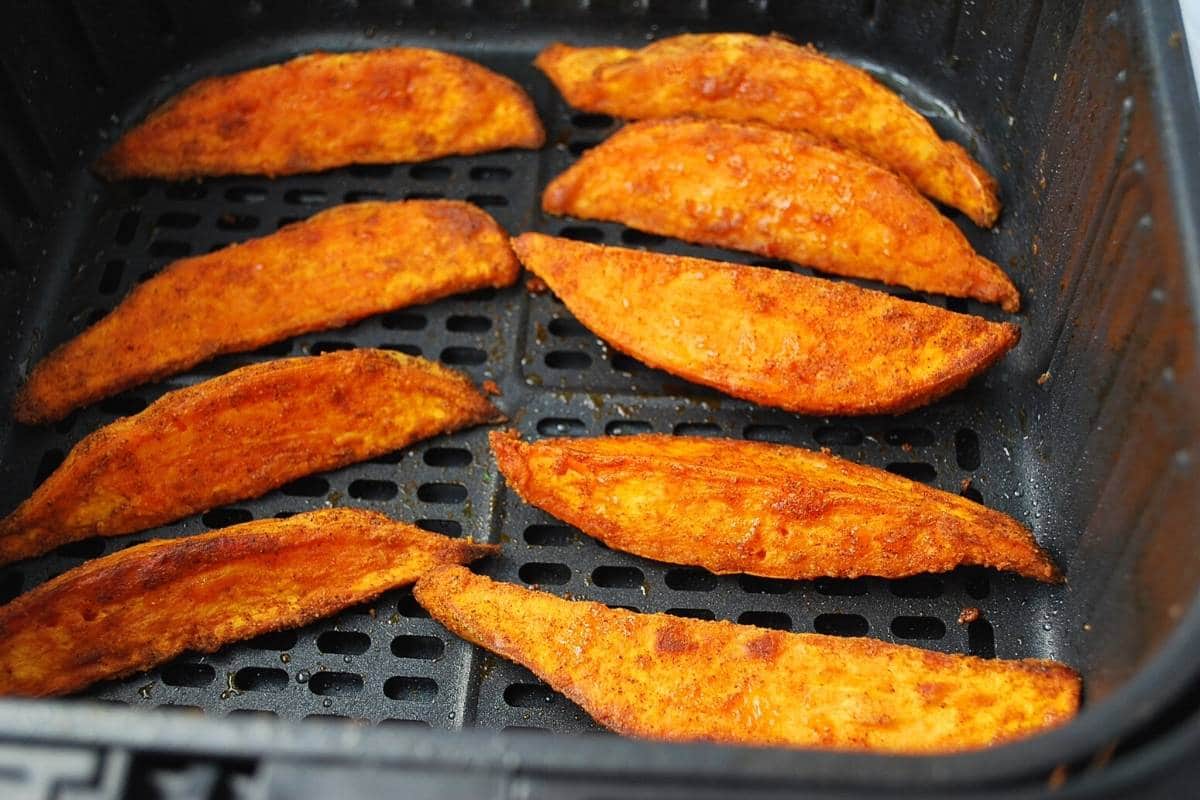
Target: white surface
1191, 27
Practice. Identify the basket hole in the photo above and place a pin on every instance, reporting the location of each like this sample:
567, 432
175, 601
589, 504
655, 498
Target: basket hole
697, 429
260, 679
841, 625
167, 248
123, 405
224, 517
627, 364
972, 494
966, 449
305, 197
918, 586
319, 348
981, 639
237, 222
447, 457
468, 356
371, 170
914, 470
567, 359
561, 426
913, 437
756, 585
460, 323
767, 433
127, 227
407, 349
408, 606
423, 648
543, 574
444, 493
50, 461
411, 689
592, 121
88, 548
446, 527
275, 640
528, 695
490, 174
582, 233
641, 238
283, 222
627, 427
767, 619
578, 148
566, 327
363, 196
486, 293
488, 200
11, 584
692, 613
309, 486
618, 577
245, 194
425, 196
843, 435
956, 304
841, 587
188, 674
367, 489
690, 580
976, 582
429, 172
110, 280
549, 535
185, 191
335, 684
918, 628
346, 643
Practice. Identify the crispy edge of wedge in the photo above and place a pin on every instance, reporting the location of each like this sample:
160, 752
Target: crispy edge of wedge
663, 677
144, 470
152, 334
732, 506
141, 606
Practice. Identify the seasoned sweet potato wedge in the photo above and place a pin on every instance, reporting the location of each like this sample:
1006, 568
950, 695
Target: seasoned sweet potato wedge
763, 509
778, 194
327, 110
662, 677
237, 436
768, 79
146, 604
804, 344
336, 268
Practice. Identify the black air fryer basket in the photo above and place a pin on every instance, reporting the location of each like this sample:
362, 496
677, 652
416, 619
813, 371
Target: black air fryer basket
1085, 112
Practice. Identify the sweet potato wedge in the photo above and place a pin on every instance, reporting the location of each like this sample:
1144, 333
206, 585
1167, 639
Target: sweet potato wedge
778, 194
661, 677
762, 509
327, 110
143, 605
334, 269
740, 77
237, 436
804, 344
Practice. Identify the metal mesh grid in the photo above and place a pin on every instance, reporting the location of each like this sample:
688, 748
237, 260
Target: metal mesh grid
387, 662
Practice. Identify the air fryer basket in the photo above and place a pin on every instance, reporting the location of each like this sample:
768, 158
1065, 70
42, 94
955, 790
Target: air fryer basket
1087, 431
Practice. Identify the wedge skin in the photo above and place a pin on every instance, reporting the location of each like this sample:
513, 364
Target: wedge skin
327, 110
238, 436
807, 345
658, 676
733, 506
144, 605
777, 194
768, 79
334, 269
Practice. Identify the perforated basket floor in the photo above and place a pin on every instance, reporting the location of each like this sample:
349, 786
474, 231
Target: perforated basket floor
387, 662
